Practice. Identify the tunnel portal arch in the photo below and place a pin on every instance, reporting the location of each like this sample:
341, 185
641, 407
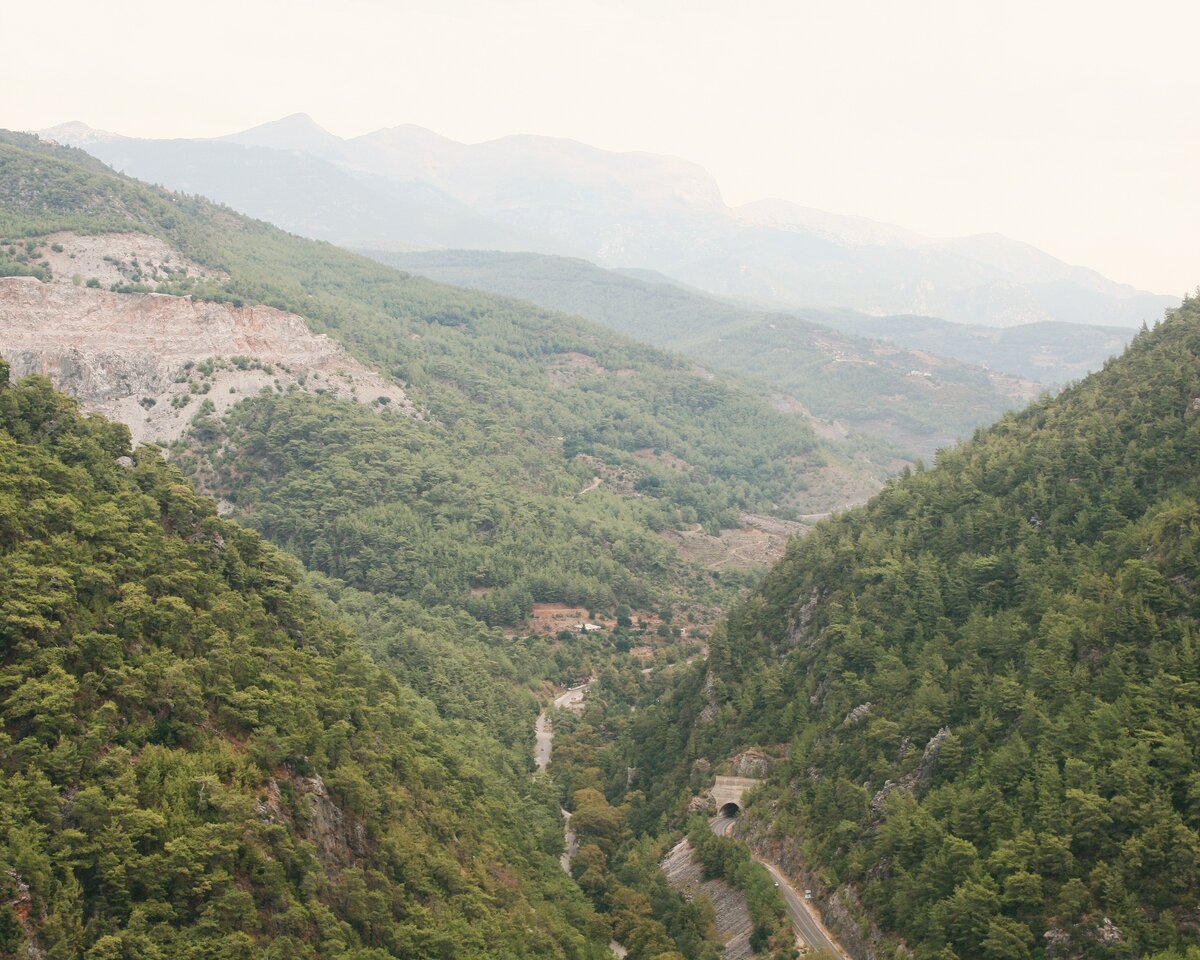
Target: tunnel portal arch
727, 792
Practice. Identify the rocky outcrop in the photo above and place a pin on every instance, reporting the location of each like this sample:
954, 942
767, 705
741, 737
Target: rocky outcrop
339, 838
917, 780
151, 360
752, 763
729, 903
19, 900
120, 258
857, 714
1083, 940
702, 803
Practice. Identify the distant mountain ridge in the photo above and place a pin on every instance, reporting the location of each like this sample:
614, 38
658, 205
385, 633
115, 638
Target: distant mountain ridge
839, 365
641, 210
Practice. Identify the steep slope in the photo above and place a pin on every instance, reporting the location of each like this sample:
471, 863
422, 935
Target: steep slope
658, 311
914, 400
475, 504
194, 761
658, 212
985, 682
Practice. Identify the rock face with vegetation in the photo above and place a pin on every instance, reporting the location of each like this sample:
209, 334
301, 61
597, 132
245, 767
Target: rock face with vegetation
1022, 620
731, 913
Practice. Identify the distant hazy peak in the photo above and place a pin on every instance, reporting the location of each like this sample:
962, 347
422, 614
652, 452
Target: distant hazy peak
622, 209
76, 133
1028, 264
1015, 260
407, 133
296, 132
859, 231
412, 151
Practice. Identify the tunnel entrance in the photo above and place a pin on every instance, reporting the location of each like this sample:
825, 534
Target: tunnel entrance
730, 809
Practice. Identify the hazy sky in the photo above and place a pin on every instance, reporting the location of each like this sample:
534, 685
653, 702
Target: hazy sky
1072, 125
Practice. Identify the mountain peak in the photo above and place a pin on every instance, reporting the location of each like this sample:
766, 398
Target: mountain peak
297, 131
407, 130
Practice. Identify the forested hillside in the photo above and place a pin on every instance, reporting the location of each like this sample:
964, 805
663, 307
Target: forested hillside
196, 761
477, 497
981, 688
366, 789
987, 682
380, 503
910, 399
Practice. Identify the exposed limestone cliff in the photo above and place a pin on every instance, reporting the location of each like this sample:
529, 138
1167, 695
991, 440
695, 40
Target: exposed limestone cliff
152, 360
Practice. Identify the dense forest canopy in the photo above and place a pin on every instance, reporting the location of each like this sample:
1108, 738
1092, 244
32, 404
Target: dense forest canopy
988, 680
195, 761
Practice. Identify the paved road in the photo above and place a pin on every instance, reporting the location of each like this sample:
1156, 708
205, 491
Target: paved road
543, 733
806, 925
543, 740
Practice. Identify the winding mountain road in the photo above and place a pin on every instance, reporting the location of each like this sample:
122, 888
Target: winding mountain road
806, 923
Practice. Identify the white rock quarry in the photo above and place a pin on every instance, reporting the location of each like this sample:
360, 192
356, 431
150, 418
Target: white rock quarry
151, 360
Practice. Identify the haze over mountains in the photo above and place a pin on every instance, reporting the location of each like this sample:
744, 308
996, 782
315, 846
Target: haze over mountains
409, 188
